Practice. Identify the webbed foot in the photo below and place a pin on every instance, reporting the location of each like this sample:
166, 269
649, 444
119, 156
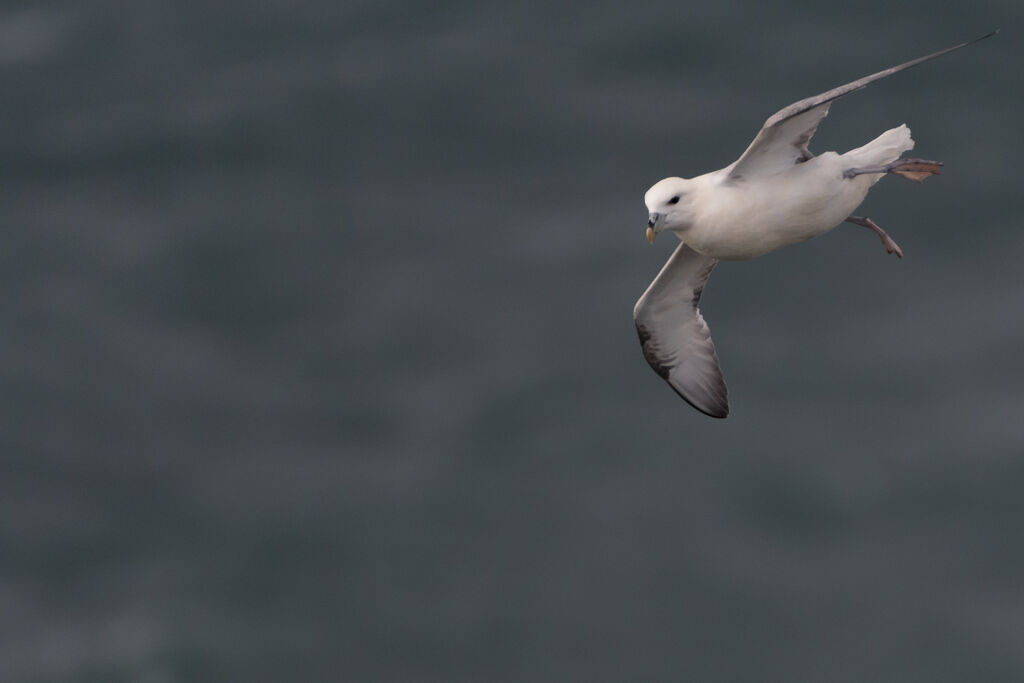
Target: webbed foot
911, 169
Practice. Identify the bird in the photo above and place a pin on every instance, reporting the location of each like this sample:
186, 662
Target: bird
776, 194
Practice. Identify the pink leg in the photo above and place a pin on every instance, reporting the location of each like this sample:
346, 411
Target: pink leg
890, 246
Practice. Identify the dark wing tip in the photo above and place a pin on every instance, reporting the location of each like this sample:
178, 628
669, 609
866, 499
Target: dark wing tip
719, 411
715, 404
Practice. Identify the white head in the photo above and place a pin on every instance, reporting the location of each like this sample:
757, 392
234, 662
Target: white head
668, 203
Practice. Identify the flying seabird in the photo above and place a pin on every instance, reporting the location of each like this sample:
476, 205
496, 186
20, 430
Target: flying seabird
777, 193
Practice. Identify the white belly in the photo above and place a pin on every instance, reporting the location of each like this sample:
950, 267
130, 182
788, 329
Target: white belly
741, 220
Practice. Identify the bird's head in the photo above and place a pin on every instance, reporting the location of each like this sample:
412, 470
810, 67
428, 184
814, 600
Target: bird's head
668, 206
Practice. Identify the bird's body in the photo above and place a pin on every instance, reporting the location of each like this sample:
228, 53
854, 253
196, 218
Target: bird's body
776, 194
738, 220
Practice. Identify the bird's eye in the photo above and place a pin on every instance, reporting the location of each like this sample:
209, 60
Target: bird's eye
674, 200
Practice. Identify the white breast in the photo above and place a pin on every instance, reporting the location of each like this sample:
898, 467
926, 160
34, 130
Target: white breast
747, 218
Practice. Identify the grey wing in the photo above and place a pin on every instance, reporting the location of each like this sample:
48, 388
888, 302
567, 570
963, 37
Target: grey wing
783, 139
675, 339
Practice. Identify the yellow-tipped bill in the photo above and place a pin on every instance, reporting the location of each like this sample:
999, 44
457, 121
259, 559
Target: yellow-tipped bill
650, 235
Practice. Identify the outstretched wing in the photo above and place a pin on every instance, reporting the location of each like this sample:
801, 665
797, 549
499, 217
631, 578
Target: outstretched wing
783, 140
674, 337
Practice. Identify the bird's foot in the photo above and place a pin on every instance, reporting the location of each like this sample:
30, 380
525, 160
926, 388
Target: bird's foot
915, 169
911, 169
890, 245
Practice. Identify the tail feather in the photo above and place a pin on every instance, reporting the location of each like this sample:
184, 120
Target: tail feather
884, 149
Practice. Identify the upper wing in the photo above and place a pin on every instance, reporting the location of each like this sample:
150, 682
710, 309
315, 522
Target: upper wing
674, 337
783, 139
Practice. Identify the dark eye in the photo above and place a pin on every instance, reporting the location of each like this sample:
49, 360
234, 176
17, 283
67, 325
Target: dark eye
674, 200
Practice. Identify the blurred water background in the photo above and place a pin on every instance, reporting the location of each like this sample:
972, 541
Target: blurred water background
318, 361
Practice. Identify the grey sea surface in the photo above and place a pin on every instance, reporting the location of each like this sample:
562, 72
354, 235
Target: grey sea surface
318, 364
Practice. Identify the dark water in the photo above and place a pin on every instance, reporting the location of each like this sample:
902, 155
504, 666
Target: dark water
318, 363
